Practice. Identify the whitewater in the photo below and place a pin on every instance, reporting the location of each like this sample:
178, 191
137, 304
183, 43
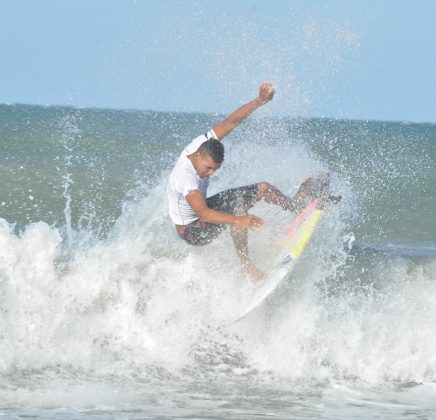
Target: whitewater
105, 313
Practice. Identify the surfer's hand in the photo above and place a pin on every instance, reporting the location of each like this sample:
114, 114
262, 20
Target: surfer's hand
266, 92
250, 221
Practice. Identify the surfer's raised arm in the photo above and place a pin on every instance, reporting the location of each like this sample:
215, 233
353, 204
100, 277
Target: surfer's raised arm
266, 93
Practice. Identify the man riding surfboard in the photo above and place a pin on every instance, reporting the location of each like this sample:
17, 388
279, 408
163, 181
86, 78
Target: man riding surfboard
199, 219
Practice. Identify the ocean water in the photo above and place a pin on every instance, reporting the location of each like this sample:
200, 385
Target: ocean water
105, 313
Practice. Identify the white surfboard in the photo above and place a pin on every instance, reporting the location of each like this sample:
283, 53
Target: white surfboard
291, 247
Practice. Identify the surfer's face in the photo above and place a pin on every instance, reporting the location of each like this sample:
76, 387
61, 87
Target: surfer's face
204, 164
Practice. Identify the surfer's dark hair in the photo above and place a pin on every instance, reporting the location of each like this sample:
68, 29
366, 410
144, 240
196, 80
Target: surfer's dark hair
214, 149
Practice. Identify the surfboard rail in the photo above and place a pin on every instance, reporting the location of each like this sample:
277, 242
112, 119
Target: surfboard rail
292, 247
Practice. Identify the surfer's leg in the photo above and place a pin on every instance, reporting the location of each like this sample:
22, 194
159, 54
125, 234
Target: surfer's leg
229, 201
200, 233
271, 195
302, 196
234, 200
238, 201
240, 241
309, 189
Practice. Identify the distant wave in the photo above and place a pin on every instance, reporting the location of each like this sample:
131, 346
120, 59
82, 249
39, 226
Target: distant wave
424, 249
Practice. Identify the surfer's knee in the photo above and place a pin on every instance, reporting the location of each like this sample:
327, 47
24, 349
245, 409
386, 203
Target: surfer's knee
263, 188
308, 182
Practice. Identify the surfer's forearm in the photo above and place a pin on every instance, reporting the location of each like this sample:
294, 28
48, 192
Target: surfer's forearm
233, 120
243, 112
205, 213
213, 216
266, 93
248, 221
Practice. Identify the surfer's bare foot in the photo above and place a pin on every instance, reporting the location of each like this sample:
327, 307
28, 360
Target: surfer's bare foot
256, 275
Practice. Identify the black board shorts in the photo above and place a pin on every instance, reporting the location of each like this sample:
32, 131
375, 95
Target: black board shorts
201, 233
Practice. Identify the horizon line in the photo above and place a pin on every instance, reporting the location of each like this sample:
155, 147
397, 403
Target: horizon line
301, 117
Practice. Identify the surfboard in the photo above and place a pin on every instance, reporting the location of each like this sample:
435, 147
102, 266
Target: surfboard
291, 247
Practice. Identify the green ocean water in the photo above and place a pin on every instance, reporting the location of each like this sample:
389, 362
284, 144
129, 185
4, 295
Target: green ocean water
100, 159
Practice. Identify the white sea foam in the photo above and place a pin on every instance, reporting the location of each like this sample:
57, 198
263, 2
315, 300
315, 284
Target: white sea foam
141, 305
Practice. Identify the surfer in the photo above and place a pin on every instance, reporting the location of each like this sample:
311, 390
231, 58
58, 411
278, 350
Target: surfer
198, 218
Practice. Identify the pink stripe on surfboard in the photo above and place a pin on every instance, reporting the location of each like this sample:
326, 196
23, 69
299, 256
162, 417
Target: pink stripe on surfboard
301, 217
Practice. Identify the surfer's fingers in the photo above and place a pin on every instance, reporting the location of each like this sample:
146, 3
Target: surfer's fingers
255, 222
266, 92
256, 219
250, 221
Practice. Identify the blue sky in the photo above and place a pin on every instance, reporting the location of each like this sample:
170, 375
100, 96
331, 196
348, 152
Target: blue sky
343, 59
